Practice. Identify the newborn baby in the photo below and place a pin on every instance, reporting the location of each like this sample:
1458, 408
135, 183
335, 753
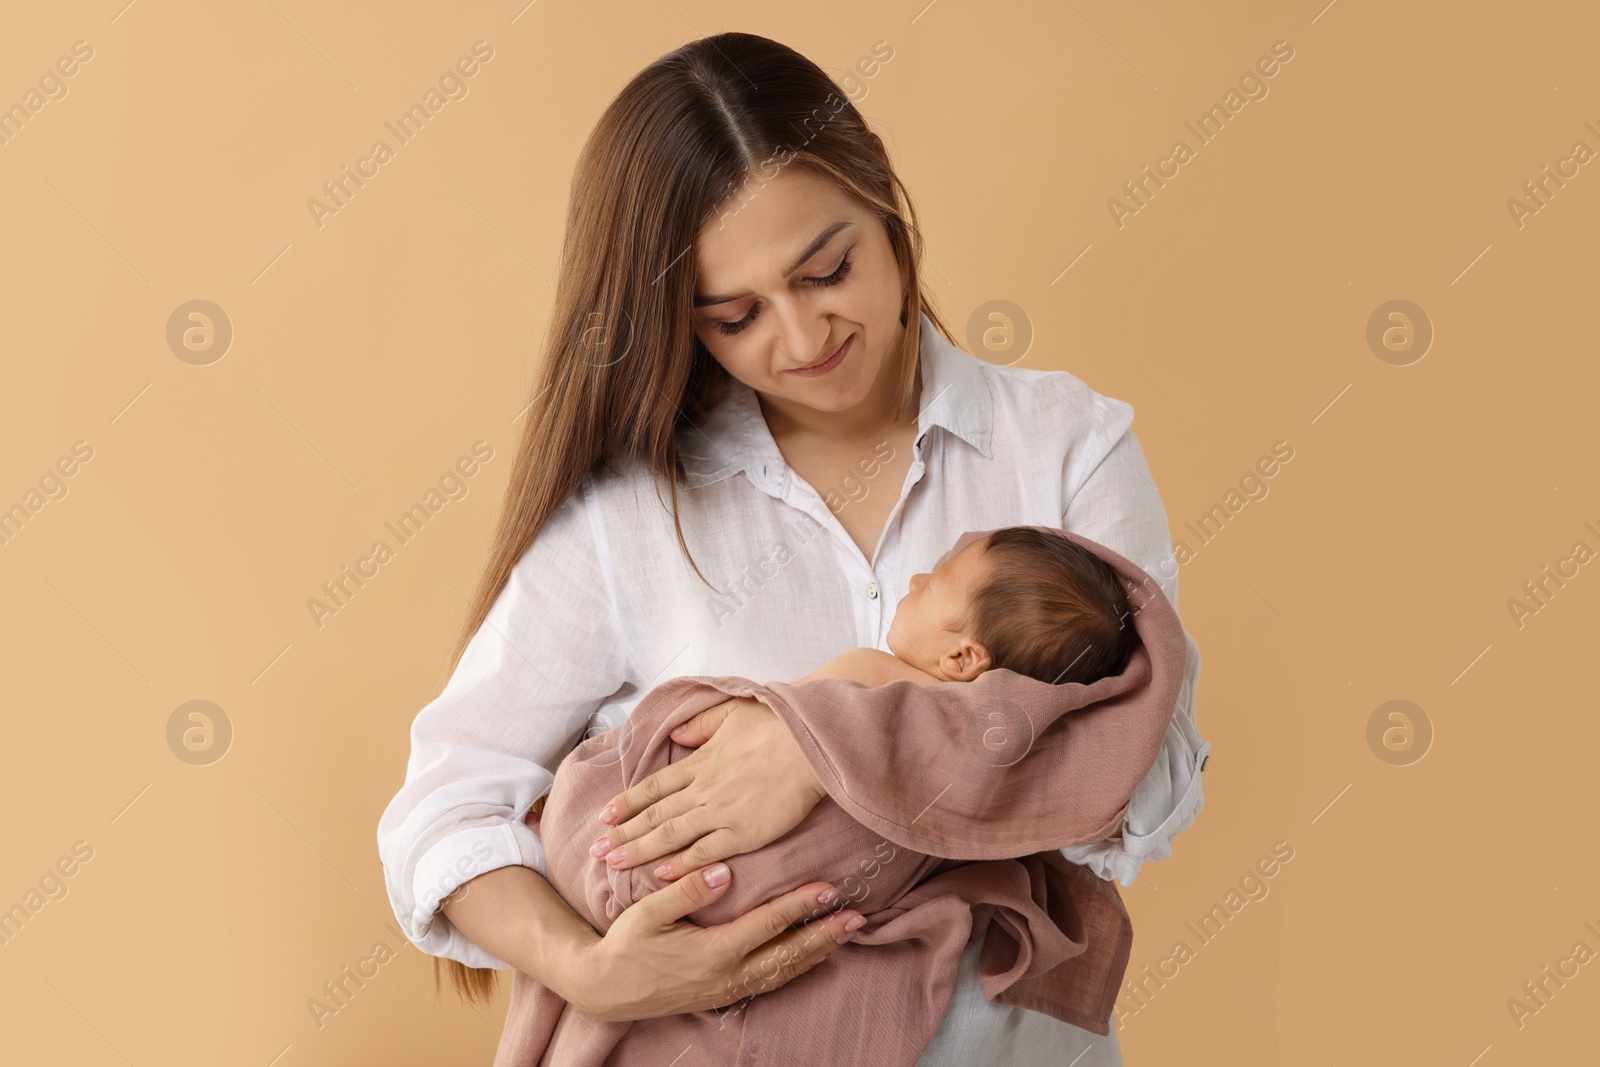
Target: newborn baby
1028, 601
1021, 599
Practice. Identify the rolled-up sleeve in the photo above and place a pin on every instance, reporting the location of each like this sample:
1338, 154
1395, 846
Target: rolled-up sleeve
547, 656
1117, 504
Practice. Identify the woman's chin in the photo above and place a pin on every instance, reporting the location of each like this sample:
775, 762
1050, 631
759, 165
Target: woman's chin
837, 392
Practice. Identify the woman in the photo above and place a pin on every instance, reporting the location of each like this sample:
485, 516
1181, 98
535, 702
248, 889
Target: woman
749, 433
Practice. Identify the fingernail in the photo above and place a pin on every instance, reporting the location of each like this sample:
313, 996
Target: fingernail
609, 814
663, 870
716, 874
600, 847
617, 856
827, 896
855, 924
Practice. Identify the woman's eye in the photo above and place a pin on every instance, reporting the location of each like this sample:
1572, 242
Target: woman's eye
836, 277
728, 329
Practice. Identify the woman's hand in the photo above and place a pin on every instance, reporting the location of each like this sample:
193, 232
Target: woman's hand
748, 784
652, 963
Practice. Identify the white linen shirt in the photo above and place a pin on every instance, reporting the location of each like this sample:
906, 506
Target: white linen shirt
603, 605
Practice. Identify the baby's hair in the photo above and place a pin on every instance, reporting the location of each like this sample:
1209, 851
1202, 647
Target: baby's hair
1050, 609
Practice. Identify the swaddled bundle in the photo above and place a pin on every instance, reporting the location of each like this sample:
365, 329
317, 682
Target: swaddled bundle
924, 817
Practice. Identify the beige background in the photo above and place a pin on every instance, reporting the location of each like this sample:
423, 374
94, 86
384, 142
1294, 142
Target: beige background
370, 353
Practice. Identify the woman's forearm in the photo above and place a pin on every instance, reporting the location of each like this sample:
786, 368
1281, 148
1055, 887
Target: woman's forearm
656, 965
514, 913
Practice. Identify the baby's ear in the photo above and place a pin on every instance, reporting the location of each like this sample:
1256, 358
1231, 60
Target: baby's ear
967, 662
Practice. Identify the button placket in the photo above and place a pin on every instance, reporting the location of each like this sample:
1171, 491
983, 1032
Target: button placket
795, 493
870, 609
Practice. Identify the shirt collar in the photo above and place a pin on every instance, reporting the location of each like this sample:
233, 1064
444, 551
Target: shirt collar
733, 436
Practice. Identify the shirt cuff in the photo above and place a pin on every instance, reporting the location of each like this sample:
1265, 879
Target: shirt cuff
453, 860
1121, 857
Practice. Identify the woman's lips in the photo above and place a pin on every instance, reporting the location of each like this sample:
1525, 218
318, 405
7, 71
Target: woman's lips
828, 364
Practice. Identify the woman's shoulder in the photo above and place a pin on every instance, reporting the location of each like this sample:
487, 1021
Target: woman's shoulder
612, 478
1042, 405
620, 490
607, 498
1043, 391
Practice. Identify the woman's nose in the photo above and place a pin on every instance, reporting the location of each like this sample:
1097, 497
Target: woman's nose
804, 333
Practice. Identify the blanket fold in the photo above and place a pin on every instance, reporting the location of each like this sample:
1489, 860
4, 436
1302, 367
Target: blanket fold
946, 808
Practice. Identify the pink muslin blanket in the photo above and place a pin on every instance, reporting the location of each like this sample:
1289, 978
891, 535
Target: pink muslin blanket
947, 805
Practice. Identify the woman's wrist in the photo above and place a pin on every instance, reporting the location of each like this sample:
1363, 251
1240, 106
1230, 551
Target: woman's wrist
573, 970
515, 914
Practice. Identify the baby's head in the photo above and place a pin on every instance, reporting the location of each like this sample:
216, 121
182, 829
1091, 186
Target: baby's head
1026, 600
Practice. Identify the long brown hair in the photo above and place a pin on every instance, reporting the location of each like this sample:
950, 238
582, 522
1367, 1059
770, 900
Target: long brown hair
694, 132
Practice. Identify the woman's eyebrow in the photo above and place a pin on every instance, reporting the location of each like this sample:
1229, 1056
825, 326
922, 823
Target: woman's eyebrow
816, 245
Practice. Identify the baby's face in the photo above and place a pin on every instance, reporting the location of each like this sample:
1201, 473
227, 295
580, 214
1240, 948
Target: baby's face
926, 632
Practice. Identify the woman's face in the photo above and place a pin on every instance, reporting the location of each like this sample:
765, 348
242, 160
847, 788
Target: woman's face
787, 273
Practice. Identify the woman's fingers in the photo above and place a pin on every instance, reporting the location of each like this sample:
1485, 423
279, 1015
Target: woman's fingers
630, 803
755, 953
670, 903
693, 827
718, 845
774, 953
794, 952
787, 957
698, 730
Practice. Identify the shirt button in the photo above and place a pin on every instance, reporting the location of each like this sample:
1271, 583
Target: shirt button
872, 590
